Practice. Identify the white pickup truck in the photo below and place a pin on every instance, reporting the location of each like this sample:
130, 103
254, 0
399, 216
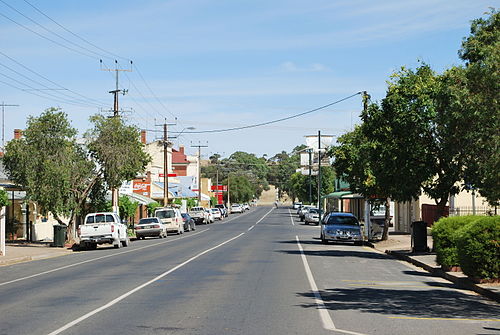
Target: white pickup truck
199, 215
101, 228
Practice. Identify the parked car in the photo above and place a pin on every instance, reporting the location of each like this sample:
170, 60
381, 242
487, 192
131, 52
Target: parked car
171, 217
312, 216
303, 210
199, 215
246, 206
341, 227
102, 228
217, 213
189, 223
223, 208
150, 227
236, 208
296, 205
210, 215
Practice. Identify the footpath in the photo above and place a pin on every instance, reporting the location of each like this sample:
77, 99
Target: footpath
399, 246
25, 252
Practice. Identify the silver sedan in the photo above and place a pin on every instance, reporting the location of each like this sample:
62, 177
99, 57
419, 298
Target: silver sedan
150, 227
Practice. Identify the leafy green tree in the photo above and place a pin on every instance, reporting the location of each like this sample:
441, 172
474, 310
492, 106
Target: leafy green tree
240, 189
128, 208
53, 168
4, 198
151, 208
281, 167
299, 185
416, 135
481, 53
117, 149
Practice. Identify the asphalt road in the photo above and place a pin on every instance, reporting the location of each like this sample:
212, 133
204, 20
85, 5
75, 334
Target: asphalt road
261, 272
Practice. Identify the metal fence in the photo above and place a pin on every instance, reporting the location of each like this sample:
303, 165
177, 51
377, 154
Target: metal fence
468, 210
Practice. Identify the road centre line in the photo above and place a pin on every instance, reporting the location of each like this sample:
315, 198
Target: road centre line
118, 299
108, 256
99, 258
291, 217
252, 227
442, 319
323, 311
262, 218
123, 296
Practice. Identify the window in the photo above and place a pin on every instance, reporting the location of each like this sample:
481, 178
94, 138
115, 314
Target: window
165, 214
342, 220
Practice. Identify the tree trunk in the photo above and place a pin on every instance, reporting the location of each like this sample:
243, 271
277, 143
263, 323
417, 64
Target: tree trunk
441, 204
385, 234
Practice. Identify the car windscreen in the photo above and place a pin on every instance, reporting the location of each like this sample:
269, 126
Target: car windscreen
215, 210
148, 220
342, 220
313, 211
165, 214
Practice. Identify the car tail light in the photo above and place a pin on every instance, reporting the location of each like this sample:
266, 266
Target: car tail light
138, 227
112, 228
157, 226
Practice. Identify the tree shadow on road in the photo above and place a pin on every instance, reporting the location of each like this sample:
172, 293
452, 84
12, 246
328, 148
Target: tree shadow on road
430, 303
339, 253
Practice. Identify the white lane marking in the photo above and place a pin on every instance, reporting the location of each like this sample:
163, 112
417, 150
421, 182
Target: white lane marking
262, 218
120, 298
99, 258
325, 317
251, 228
291, 217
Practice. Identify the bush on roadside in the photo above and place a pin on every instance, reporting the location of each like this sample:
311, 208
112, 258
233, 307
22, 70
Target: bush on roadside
478, 248
444, 235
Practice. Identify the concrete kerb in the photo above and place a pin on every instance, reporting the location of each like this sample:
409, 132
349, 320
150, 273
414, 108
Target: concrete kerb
456, 277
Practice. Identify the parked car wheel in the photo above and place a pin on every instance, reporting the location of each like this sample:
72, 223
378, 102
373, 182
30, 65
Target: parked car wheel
126, 242
323, 240
117, 244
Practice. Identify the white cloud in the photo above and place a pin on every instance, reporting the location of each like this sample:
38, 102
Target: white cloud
292, 67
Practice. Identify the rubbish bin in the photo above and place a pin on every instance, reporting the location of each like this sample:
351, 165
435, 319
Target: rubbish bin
59, 235
419, 236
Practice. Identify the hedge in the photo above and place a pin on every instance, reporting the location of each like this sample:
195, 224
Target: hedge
479, 248
444, 235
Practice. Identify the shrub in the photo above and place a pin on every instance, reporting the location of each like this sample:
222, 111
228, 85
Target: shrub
444, 234
479, 248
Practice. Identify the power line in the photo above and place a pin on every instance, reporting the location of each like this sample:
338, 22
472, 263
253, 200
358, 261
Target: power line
50, 81
47, 38
273, 121
80, 46
48, 30
76, 35
43, 85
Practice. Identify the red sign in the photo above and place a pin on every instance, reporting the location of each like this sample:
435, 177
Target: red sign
220, 188
142, 187
169, 175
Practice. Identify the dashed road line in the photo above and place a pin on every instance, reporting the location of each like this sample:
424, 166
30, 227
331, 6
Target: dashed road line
99, 258
138, 288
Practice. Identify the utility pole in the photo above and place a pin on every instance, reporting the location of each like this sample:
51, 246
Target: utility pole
114, 191
3, 122
366, 98
165, 160
319, 175
199, 146
309, 151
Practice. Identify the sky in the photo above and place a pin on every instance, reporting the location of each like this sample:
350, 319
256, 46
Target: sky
220, 64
